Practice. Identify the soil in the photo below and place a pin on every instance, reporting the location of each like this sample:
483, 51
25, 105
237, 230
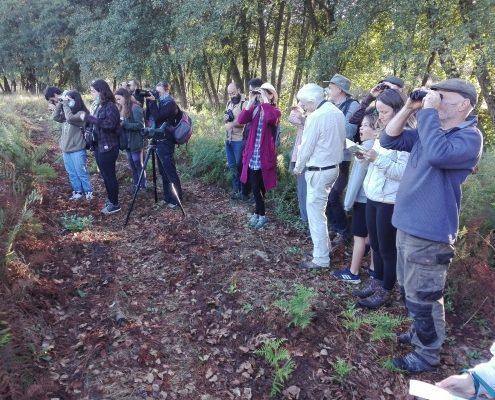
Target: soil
173, 308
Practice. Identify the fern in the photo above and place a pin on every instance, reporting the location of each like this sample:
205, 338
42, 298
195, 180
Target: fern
299, 306
280, 360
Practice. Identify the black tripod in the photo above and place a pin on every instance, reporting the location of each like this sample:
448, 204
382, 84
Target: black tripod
151, 153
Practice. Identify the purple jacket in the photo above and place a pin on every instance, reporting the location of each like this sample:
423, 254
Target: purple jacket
268, 153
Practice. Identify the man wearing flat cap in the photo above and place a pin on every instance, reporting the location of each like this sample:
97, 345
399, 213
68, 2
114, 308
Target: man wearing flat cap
340, 95
445, 148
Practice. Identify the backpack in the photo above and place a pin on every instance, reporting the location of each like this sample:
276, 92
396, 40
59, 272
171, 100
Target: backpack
344, 107
183, 130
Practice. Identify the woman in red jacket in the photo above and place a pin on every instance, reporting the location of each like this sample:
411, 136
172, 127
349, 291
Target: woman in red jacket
259, 159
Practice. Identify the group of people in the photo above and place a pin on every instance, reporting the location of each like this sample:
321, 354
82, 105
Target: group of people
412, 154
114, 122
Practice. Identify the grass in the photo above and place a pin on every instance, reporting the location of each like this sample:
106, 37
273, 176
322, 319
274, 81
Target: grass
341, 369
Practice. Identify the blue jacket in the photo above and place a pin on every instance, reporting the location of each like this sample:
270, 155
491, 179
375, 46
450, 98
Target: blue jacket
429, 196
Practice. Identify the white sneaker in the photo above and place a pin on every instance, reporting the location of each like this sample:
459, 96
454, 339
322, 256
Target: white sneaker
76, 196
253, 220
89, 196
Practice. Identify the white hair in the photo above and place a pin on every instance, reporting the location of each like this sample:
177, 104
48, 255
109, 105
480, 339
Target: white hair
311, 93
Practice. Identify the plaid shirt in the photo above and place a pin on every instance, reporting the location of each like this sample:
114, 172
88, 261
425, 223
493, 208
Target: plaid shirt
255, 162
106, 122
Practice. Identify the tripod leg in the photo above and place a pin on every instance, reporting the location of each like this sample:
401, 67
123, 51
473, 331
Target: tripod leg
153, 167
150, 152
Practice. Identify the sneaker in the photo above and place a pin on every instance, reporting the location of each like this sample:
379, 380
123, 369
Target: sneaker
262, 221
376, 300
235, 196
172, 206
253, 220
369, 289
404, 338
310, 265
89, 196
413, 364
346, 275
110, 209
76, 196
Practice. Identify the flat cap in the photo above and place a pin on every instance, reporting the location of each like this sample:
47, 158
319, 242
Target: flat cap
463, 87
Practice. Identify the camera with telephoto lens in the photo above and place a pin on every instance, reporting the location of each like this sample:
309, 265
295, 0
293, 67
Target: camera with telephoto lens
229, 116
419, 95
382, 86
148, 93
154, 133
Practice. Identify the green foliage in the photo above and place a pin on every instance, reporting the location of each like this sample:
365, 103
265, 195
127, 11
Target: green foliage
389, 365
352, 320
5, 334
341, 369
74, 223
280, 360
298, 307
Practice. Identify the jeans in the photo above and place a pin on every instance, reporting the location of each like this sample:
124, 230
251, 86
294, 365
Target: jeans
255, 178
233, 150
166, 165
106, 163
382, 240
301, 193
421, 273
319, 184
136, 163
335, 211
75, 165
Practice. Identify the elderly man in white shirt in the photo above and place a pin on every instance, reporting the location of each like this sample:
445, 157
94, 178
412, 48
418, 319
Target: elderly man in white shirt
320, 152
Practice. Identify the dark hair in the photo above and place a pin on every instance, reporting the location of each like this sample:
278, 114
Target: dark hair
164, 84
129, 102
391, 98
79, 102
255, 82
103, 90
51, 91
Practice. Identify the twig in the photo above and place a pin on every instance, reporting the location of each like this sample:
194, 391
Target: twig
485, 240
472, 316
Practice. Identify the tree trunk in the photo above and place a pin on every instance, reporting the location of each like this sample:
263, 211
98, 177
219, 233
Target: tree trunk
276, 40
300, 58
244, 37
235, 73
426, 75
284, 53
262, 39
487, 86
6, 86
114, 84
182, 86
211, 81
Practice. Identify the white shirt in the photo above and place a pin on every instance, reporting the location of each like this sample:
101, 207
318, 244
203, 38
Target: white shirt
323, 138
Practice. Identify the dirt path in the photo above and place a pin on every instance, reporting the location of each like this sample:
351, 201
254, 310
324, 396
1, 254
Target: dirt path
172, 308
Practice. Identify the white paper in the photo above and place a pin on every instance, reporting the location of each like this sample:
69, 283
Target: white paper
430, 392
353, 147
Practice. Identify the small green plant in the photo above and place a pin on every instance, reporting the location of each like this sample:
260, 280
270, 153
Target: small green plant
232, 286
280, 360
474, 355
383, 324
299, 306
341, 369
5, 335
389, 365
352, 321
74, 223
294, 250
247, 308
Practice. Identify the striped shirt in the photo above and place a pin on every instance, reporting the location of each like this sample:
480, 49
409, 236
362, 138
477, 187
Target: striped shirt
255, 162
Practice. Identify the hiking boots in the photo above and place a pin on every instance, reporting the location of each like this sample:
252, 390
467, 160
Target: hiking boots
404, 338
413, 363
368, 289
380, 297
262, 221
76, 196
253, 220
308, 265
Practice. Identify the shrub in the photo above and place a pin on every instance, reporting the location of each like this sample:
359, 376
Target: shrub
74, 223
299, 306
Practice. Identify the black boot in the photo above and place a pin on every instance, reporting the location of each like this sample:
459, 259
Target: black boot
376, 300
368, 289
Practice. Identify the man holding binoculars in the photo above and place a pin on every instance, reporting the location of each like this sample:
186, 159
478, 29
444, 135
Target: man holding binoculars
445, 148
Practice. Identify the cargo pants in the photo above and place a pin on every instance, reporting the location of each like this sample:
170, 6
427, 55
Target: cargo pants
421, 273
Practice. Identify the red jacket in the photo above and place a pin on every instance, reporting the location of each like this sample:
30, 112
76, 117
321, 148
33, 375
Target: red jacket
268, 153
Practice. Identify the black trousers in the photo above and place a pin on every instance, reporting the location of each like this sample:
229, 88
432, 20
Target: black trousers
166, 165
106, 163
382, 240
255, 178
335, 210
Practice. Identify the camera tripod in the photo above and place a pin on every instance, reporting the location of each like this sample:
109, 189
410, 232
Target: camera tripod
151, 153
